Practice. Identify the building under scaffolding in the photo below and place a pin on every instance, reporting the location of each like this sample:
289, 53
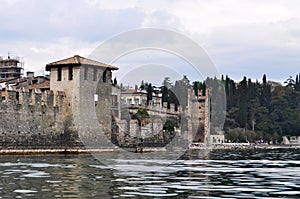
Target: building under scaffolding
10, 68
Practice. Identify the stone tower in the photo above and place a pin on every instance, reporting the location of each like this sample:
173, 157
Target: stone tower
88, 89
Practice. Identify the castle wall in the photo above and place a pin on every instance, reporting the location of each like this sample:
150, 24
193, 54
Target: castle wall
31, 120
152, 128
68, 115
134, 128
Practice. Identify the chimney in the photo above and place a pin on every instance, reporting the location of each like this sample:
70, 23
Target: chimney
30, 76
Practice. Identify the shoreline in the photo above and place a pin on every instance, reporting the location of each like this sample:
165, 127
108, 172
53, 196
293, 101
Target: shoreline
44, 151
262, 146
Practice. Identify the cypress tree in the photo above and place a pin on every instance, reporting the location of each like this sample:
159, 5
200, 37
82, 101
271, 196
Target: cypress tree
203, 88
265, 94
166, 85
142, 86
180, 89
196, 87
164, 92
252, 92
149, 93
232, 93
243, 103
227, 91
264, 79
115, 81
297, 84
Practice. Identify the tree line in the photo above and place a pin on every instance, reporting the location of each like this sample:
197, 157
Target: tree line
262, 110
253, 110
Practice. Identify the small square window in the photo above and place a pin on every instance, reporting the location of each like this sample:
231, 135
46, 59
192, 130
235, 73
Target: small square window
85, 76
59, 74
71, 73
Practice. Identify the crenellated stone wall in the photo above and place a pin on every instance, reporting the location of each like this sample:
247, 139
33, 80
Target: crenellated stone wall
36, 120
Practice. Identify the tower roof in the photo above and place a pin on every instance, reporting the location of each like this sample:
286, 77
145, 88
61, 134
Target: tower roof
77, 60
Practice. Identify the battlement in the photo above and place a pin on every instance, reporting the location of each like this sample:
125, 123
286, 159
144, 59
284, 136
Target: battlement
33, 97
46, 114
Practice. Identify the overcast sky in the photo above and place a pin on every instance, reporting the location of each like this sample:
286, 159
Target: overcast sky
242, 37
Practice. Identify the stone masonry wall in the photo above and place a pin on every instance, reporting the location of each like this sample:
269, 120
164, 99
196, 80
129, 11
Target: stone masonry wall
36, 120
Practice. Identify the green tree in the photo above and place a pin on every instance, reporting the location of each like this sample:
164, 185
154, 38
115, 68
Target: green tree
264, 79
230, 90
149, 93
203, 88
115, 82
171, 123
265, 93
290, 82
165, 90
140, 115
262, 119
142, 86
181, 92
242, 103
297, 83
272, 114
196, 87
217, 102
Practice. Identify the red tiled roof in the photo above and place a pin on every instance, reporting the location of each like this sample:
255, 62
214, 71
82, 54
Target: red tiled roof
14, 81
78, 60
44, 85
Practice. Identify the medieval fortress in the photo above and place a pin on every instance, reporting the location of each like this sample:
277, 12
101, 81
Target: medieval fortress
77, 105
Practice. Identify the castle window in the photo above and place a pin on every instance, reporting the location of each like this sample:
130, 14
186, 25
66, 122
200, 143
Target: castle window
70, 72
85, 73
18, 96
59, 74
95, 74
104, 75
96, 97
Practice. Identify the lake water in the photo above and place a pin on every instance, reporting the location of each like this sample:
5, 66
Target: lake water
221, 174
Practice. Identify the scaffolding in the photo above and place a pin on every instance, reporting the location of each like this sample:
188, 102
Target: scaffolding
11, 68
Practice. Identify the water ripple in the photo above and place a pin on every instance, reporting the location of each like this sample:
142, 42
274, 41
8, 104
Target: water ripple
226, 174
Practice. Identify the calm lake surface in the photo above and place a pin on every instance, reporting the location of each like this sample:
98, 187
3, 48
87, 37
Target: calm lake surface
221, 174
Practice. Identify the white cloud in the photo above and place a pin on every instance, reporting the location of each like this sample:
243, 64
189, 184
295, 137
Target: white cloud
255, 49
112, 5
200, 16
37, 54
236, 33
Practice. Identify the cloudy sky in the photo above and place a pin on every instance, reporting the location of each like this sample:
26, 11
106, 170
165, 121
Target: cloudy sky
242, 37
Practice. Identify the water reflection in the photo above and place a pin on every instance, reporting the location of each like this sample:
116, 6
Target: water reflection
53, 176
235, 174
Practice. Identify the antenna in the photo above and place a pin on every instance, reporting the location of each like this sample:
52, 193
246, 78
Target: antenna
8, 55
